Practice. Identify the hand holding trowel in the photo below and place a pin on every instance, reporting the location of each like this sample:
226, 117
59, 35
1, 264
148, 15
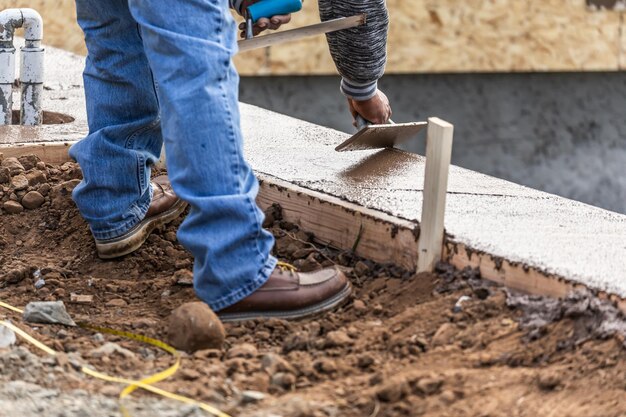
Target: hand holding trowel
373, 136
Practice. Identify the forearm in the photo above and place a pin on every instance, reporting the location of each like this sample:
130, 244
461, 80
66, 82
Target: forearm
360, 54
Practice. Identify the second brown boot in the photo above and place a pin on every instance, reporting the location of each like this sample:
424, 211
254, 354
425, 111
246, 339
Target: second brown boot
292, 295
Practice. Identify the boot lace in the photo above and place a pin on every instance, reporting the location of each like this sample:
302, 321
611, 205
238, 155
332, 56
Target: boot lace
286, 267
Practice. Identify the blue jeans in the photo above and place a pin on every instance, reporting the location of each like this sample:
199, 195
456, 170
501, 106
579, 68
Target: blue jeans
161, 72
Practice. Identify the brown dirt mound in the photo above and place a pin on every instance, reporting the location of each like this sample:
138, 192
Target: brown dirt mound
399, 348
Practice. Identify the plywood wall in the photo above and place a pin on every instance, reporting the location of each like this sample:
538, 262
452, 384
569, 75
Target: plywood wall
432, 36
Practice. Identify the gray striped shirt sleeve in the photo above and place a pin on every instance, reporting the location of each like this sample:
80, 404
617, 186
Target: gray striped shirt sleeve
360, 54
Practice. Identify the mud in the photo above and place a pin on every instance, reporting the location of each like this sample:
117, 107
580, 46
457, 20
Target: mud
446, 344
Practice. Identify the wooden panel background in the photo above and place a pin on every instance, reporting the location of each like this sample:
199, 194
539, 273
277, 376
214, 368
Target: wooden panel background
430, 36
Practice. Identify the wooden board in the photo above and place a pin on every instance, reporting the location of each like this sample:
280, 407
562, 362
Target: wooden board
344, 225
53, 153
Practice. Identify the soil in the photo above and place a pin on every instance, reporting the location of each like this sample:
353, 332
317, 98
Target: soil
444, 344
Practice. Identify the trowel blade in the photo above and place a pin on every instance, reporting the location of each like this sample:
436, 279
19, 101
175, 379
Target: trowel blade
381, 136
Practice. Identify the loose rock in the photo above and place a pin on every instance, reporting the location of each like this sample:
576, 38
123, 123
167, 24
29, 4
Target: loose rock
110, 349
429, 386
444, 334
19, 182
32, 200
117, 302
13, 165
12, 207
7, 337
47, 312
194, 326
337, 339
244, 350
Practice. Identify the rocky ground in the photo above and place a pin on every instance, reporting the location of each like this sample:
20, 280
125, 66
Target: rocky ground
447, 344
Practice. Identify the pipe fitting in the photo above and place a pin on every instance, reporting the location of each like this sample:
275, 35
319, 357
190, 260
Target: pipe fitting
31, 68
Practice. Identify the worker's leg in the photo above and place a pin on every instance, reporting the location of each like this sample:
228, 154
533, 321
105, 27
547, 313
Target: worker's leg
124, 132
189, 44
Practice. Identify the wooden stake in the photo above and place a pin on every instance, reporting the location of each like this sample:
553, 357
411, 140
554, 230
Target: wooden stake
438, 154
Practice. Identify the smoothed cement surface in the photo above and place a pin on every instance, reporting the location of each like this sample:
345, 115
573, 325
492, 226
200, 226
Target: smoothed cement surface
582, 243
579, 242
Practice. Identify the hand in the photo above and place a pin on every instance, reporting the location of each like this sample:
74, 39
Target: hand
264, 23
376, 110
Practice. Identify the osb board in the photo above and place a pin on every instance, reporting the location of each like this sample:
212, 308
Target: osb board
431, 36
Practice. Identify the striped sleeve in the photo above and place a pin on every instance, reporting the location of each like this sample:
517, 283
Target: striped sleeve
360, 54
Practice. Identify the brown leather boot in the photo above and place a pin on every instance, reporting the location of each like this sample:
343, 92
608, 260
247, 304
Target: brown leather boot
164, 207
292, 295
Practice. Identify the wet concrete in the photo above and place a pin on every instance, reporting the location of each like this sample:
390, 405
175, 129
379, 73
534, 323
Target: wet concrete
560, 236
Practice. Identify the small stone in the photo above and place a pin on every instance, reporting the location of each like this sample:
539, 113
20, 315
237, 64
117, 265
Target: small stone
249, 397
284, 380
36, 177
243, 350
5, 175
13, 165
273, 363
444, 334
183, 277
117, 302
548, 381
194, 326
28, 161
32, 200
429, 386
189, 374
359, 306
365, 361
337, 338
393, 391
47, 312
325, 366
361, 268
15, 276
81, 298
110, 349
19, 182
12, 207
7, 337
448, 397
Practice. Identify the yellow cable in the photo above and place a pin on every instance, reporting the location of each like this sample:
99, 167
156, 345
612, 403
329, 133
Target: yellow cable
131, 385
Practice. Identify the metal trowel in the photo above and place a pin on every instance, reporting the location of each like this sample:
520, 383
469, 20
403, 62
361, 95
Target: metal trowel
371, 136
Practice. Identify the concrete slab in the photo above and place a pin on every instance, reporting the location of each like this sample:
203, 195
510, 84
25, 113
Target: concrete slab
540, 231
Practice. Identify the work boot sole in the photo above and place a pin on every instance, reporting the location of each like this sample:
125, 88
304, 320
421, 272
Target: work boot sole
313, 310
133, 239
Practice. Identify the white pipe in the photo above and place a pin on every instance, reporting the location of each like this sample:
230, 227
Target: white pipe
31, 71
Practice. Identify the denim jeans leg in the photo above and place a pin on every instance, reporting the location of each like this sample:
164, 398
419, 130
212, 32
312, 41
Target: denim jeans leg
189, 45
124, 128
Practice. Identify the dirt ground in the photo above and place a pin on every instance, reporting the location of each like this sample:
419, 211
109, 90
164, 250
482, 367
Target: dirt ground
404, 346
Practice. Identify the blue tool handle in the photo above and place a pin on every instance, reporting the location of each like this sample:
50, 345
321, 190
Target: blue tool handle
269, 8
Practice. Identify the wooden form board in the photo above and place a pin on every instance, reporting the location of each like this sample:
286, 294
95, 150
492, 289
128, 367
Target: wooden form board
429, 36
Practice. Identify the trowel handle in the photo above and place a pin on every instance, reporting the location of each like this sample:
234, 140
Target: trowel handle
361, 122
269, 8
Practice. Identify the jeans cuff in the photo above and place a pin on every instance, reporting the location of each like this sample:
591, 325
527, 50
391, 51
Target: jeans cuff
136, 214
242, 293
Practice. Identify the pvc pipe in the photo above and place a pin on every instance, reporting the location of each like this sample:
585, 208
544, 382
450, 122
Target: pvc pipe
31, 70
7, 75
